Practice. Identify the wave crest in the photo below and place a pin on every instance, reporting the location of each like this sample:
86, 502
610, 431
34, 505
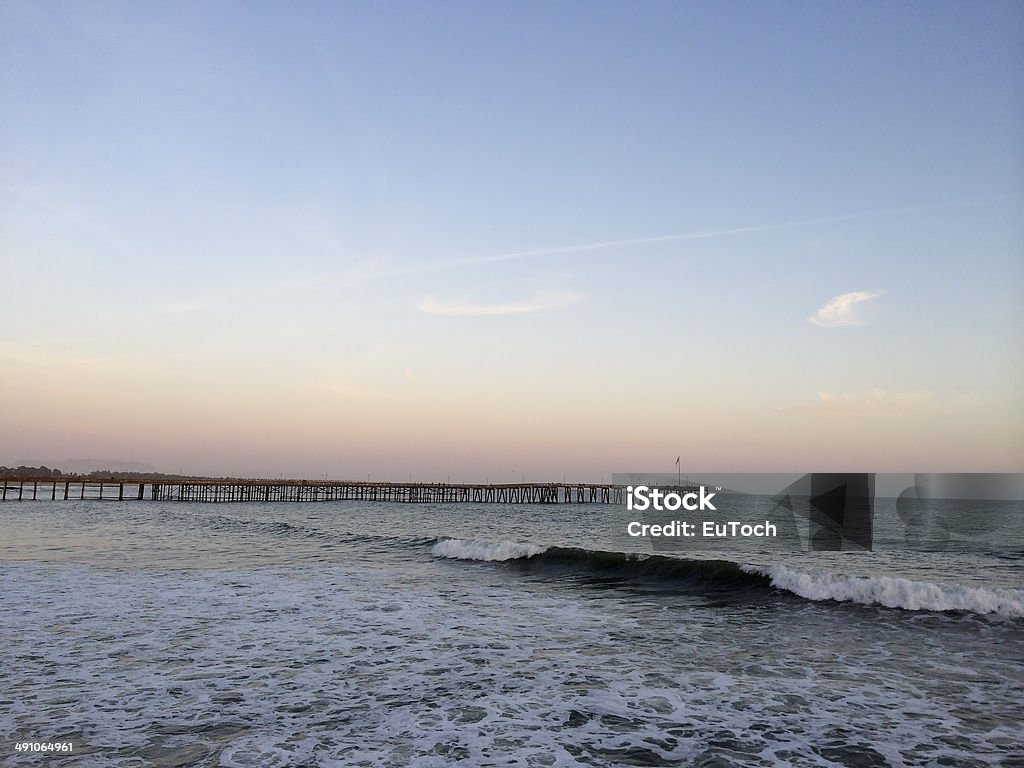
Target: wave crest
893, 592
459, 549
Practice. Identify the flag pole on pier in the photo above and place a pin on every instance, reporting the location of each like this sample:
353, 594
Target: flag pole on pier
678, 471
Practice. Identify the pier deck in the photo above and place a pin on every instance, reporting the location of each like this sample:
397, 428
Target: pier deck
228, 490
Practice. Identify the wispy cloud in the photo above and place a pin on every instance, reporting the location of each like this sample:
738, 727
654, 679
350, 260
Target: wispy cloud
379, 267
843, 309
867, 402
532, 306
183, 307
872, 400
65, 352
54, 207
713, 233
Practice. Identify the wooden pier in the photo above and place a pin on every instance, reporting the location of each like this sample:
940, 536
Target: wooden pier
221, 491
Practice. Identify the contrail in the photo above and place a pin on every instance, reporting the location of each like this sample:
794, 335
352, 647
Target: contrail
712, 233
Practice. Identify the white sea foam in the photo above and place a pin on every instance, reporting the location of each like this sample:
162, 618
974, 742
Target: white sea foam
894, 592
332, 666
458, 549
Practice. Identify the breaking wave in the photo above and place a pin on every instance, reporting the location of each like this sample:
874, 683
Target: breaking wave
458, 549
606, 567
894, 592
716, 576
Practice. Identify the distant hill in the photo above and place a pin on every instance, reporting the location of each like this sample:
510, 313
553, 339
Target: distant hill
85, 466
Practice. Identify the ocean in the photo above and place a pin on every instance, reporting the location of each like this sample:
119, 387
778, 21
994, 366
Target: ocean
377, 634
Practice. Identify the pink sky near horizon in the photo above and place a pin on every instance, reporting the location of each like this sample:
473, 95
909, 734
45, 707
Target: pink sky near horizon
429, 426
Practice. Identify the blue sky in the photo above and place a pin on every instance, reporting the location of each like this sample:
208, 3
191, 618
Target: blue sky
560, 238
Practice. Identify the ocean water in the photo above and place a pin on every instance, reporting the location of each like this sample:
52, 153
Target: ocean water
375, 634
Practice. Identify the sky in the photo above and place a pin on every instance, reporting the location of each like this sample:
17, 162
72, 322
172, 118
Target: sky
512, 241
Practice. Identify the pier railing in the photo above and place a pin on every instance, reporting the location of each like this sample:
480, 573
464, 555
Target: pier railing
219, 491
